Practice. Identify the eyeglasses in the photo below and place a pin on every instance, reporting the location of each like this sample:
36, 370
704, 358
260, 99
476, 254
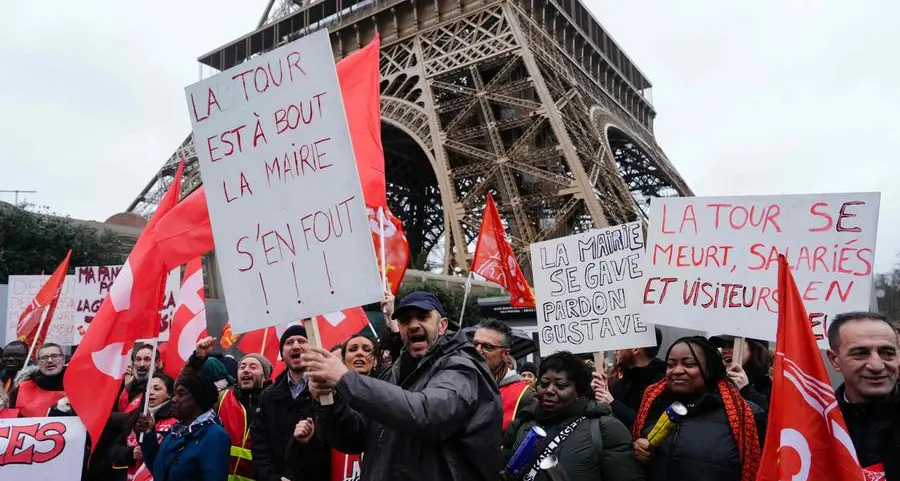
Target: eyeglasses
48, 357
486, 346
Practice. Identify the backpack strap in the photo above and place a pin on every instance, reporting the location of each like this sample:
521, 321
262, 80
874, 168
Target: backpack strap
596, 436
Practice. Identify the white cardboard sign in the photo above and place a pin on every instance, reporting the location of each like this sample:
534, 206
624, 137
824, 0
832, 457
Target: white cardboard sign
49, 449
712, 262
284, 196
79, 301
587, 288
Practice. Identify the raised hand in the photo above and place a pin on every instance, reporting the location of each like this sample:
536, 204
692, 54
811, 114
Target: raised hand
205, 346
600, 388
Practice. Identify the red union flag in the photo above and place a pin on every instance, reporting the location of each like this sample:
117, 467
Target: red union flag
494, 259
44, 302
189, 324
807, 438
129, 312
396, 246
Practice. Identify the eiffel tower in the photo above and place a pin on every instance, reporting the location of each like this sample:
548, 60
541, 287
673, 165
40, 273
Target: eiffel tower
530, 100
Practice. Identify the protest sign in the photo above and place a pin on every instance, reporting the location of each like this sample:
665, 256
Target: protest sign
285, 203
79, 301
48, 449
588, 291
712, 262
21, 292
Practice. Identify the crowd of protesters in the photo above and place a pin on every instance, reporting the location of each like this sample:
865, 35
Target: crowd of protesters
425, 401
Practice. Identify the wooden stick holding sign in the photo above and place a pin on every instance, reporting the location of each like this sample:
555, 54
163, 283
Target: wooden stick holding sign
600, 362
315, 340
737, 351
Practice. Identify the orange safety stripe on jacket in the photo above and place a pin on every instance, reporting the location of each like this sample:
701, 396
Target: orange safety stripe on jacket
234, 419
511, 394
34, 402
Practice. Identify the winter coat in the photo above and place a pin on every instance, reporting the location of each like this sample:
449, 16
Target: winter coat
200, 453
599, 448
758, 391
51, 387
703, 447
514, 398
272, 433
875, 431
628, 391
437, 418
98, 467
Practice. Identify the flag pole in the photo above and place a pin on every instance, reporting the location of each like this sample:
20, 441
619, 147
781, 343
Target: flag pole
37, 335
150, 374
462, 311
265, 337
383, 258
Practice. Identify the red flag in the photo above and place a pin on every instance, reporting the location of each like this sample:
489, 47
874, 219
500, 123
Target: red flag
494, 259
44, 302
129, 312
261, 341
189, 324
806, 436
396, 246
186, 233
359, 77
337, 327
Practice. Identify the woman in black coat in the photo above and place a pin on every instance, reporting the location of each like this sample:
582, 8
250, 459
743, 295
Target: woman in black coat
721, 435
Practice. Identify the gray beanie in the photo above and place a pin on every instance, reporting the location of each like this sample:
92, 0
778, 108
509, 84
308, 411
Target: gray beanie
266, 365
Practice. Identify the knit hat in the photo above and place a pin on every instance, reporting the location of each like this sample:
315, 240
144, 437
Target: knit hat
266, 365
215, 370
293, 330
528, 367
202, 389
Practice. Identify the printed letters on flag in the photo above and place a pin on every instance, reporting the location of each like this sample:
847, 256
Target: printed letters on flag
494, 259
396, 246
807, 437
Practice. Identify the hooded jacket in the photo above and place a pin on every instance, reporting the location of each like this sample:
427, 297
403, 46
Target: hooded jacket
50, 388
437, 418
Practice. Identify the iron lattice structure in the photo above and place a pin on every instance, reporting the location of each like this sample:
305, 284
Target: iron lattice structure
530, 100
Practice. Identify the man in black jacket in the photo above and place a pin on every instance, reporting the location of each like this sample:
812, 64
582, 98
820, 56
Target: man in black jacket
639, 368
281, 406
864, 349
435, 415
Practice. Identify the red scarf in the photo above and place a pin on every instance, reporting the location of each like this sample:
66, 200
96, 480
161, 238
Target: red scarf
740, 419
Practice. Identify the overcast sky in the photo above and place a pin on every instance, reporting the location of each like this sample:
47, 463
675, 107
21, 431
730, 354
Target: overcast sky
761, 97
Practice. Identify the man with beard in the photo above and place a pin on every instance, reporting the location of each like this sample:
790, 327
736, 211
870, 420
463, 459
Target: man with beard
237, 405
282, 406
13, 360
638, 368
132, 394
493, 340
40, 388
435, 415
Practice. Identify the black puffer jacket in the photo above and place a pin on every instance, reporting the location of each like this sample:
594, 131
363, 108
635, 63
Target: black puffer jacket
875, 431
440, 422
580, 455
703, 447
273, 429
628, 391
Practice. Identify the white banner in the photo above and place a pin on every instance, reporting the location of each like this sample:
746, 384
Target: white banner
588, 291
712, 262
283, 191
45, 449
79, 301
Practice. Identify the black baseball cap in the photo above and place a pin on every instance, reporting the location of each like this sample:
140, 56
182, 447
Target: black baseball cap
422, 300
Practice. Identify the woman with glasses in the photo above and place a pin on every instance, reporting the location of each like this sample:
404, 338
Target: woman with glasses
40, 388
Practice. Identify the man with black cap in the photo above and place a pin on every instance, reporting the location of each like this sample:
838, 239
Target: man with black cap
281, 407
434, 415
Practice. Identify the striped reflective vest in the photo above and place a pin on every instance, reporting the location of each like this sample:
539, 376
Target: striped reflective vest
234, 419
